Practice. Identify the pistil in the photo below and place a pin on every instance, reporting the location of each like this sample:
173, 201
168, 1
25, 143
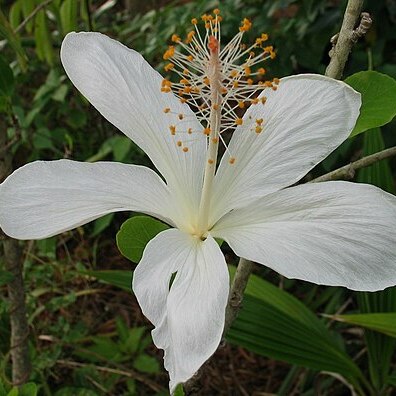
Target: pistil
215, 78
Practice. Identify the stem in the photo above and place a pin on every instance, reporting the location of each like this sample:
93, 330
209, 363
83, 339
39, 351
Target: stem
12, 256
344, 44
348, 171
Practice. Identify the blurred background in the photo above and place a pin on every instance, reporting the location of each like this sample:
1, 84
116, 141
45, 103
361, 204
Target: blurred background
87, 335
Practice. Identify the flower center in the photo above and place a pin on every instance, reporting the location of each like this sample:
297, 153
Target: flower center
219, 84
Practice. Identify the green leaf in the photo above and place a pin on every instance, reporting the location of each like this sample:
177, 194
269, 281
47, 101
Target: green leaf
15, 14
135, 233
179, 390
146, 364
5, 277
27, 8
6, 78
382, 322
68, 15
273, 323
101, 224
8, 33
380, 173
119, 278
43, 38
29, 389
378, 99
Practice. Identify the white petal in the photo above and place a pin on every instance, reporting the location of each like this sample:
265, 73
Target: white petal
188, 318
304, 121
334, 233
45, 198
127, 91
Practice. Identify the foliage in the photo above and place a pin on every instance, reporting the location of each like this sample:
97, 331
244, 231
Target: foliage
87, 334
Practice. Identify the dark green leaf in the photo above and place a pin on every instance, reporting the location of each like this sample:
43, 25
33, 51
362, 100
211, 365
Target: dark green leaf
119, 278
378, 99
6, 78
135, 233
146, 364
5, 277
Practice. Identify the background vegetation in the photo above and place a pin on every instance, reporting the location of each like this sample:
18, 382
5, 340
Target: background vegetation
87, 335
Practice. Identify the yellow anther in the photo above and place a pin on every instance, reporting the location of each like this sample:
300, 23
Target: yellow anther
181, 116
189, 131
219, 18
261, 71
185, 149
210, 161
206, 131
264, 36
263, 100
195, 90
234, 73
276, 80
235, 84
241, 104
258, 129
184, 81
268, 84
190, 58
169, 67
186, 72
215, 106
249, 81
175, 38
183, 100
165, 83
206, 80
169, 52
274, 87
216, 11
231, 160
172, 129
166, 110
223, 90
187, 90
194, 21
179, 143
254, 100
204, 17
166, 89
252, 54
246, 25
207, 25
190, 36
238, 121
215, 140
259, 121
247, 71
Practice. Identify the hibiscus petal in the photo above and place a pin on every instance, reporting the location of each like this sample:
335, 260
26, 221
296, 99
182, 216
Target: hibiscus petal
126, 90
45, 198
188, 318
334, 233
304, 120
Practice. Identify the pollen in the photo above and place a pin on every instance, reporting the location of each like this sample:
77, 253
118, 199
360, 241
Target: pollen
190, 36
216, 11
189, 131
185, 149
190, 58
261, 71
241, 104
169, 53
179, 143
215, 106
166, 110
259, 121
169, 67
210, 161
246, 25
172, 129
194, 21
258, 129
238, 121
215, 140
231, 160
180, 116
175, 38
206, 131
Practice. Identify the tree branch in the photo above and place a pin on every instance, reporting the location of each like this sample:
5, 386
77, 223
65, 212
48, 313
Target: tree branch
345, 40
347, 172
13, 263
